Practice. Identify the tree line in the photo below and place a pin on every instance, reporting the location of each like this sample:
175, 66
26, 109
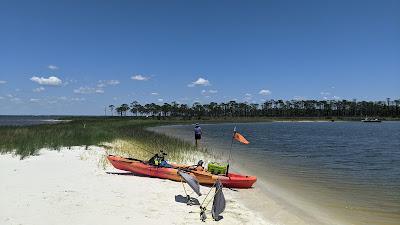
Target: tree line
270, 108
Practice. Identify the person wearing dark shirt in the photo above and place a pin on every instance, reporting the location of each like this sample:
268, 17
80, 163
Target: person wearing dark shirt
197, 133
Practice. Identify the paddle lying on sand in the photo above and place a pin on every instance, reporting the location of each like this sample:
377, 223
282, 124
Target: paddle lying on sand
193, 183
218, 199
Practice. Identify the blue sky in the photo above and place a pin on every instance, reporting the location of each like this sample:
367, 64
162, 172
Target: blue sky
75, 57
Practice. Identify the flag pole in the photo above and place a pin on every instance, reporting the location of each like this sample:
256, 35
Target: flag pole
230, 150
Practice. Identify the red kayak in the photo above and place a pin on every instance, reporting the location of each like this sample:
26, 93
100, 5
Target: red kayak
232, 180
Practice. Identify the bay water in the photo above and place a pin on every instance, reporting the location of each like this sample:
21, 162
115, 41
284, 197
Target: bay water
347, 171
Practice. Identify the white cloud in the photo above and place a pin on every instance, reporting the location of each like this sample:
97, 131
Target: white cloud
9, 95
39, 89
208, 92
3, 81
105, 83
78, 99
160, 100
51, 81
88, 90
15, 99
113, 82
1, 97
34, 100
298, 98
52, 67
264, 92
336, 97
139, 77
200, 82
248, 97
325, 93
154, 93
63, 98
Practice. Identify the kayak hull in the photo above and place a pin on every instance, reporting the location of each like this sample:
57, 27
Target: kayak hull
140, 168
233, 180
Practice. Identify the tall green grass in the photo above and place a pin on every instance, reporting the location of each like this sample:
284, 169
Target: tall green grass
26, 141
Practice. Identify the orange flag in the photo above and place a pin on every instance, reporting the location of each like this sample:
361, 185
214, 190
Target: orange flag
238, 137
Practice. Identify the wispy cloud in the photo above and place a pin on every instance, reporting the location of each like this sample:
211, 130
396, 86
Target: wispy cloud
139, 77
264, 92
39, 89
154, 93
88, 90
3, 81
298, 98
184, 99
208, 92
105, 83
51, 81
34, 100
78, 99
325, 93
200, 82
52, 67
160, 100
248, 97
328, 95
15, 99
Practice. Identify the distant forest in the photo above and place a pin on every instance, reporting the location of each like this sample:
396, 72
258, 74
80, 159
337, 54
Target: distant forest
270, 108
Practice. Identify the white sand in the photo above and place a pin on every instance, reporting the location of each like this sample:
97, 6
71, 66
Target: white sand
69, 187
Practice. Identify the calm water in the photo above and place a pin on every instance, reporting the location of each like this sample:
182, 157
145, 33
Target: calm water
27, 120
350, 170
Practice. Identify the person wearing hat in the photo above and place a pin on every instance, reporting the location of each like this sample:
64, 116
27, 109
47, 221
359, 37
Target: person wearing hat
197, 133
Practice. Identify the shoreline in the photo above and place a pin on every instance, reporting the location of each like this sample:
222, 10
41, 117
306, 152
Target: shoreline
278, 204
276, 210
69, 187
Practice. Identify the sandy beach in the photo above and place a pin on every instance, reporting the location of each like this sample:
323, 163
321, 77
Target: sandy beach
72, 187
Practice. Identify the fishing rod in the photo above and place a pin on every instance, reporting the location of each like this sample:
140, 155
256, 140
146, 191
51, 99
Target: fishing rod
148, 151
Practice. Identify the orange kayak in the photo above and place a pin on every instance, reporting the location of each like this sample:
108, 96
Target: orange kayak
232, 180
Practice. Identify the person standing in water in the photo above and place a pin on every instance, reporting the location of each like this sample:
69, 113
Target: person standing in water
197, 133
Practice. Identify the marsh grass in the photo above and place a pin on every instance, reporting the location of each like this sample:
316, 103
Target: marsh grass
126, 137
